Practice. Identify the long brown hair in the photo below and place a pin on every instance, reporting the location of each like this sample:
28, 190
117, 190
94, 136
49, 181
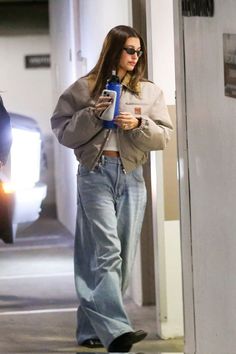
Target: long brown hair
110, 56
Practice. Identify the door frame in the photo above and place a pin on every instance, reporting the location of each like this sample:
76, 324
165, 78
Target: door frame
184, 183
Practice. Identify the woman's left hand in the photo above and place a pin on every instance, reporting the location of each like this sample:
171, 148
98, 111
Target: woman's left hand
126, 121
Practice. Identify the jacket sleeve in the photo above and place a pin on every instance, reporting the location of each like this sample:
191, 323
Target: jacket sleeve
5, 133
156, 127
74, 122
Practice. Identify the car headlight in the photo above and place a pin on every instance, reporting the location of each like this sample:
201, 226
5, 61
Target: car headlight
8, 188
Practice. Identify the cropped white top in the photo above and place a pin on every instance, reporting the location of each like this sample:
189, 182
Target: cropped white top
111, 144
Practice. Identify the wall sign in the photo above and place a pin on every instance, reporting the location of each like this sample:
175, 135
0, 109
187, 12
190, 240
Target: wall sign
202, 8
37, 61
229, 47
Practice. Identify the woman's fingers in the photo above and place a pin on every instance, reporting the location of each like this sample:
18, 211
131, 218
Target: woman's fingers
126, 121
102, 103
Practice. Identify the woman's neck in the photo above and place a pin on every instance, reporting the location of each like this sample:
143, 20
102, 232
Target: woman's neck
121, 74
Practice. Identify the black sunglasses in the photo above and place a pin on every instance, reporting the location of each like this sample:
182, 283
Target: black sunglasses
132, 51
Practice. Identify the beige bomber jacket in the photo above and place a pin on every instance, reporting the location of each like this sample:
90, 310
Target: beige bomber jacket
76, 125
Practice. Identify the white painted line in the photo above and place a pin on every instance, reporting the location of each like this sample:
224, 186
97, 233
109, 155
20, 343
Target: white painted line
24, 276
30, 248
37, 312
38, 238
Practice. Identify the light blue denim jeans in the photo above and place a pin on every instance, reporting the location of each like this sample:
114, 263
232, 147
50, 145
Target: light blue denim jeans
110, 213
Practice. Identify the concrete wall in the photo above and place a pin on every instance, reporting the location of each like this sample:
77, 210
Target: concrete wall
208, 239
26, 91
161, 63
96, 19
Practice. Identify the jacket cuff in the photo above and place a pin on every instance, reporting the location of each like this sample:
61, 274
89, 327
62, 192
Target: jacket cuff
142, 124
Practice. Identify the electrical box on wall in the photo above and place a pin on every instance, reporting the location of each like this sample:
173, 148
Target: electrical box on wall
202, 8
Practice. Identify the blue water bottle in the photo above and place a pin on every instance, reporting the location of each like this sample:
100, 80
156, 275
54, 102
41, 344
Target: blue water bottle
113, 84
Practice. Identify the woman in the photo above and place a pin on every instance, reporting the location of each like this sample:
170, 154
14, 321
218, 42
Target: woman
111, 189
5, 134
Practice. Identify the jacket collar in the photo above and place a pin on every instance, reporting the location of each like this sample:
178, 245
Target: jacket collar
126, 82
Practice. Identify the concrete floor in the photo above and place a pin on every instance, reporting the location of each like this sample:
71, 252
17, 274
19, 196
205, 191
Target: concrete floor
38, 301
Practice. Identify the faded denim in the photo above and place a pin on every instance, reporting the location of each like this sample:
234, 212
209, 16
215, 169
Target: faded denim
110, 213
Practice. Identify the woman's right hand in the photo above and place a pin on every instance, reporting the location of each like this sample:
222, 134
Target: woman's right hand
102, 103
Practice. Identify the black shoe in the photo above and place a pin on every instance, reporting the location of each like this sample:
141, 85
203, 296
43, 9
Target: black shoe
124, 342
92, 343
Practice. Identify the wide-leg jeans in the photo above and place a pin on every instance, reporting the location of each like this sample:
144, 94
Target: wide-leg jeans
111, 205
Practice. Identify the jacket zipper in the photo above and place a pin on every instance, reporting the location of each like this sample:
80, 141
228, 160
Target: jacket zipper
118, 143
101, 150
